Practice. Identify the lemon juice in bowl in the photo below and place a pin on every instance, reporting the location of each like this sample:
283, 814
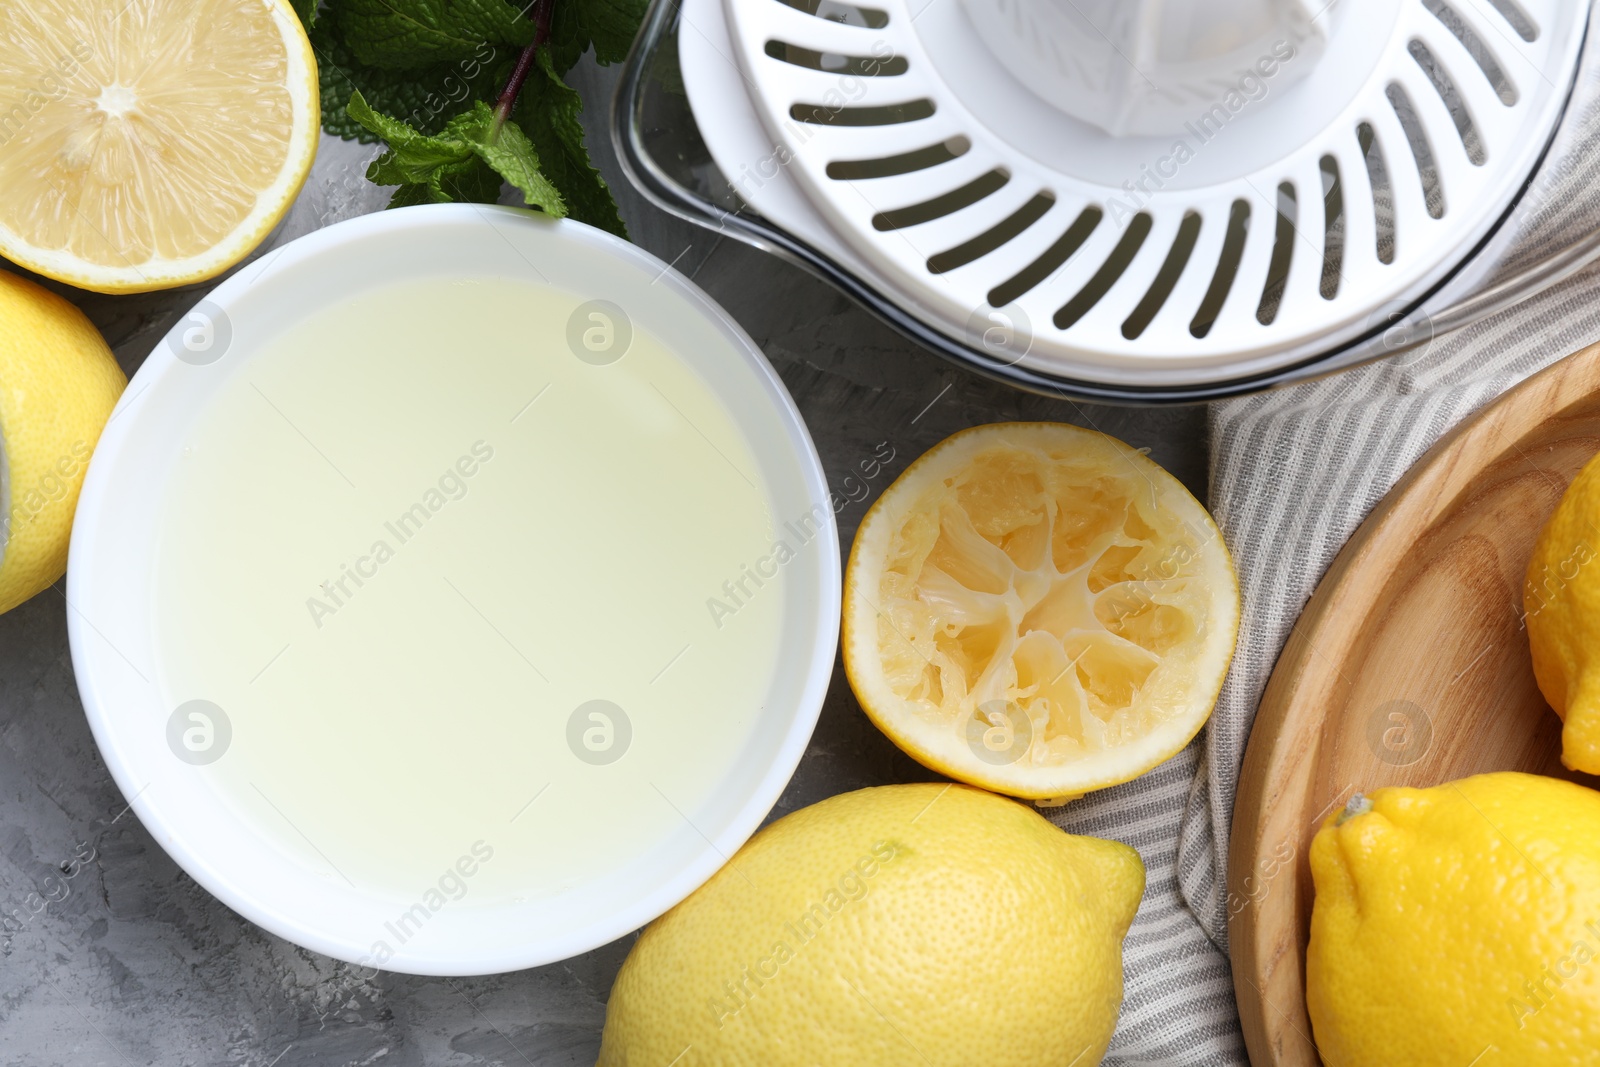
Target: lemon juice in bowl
447, 584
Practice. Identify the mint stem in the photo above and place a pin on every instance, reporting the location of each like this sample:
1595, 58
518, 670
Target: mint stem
519, 74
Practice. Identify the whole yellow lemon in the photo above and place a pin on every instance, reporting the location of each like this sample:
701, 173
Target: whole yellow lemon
1458, 925
908, 924
1561, 600
58, 384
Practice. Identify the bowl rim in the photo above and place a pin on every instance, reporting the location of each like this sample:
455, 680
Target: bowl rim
95, 524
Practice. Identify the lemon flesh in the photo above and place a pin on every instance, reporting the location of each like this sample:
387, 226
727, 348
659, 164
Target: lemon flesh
912, 924
149, 143
1459, 924
1561, 598
1038, 609
58, 384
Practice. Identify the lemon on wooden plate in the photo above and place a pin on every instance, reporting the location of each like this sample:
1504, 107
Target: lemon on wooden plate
1458, 925
909, 925
58, 384
1038, 609
146, 144
1561, 599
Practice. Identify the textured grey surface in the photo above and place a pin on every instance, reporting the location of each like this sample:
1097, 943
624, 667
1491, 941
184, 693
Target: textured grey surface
120, 959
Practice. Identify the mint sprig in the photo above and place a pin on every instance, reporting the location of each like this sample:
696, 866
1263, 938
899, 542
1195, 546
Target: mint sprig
424, 76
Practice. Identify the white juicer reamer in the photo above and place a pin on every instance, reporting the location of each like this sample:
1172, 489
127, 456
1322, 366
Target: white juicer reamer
1123, 199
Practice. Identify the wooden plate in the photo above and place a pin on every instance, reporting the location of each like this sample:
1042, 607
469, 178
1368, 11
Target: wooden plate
1409, 666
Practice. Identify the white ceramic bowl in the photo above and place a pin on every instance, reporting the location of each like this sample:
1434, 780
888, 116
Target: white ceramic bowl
119, 521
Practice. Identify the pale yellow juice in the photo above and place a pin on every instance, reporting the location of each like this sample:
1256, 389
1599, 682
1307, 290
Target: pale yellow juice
417, 537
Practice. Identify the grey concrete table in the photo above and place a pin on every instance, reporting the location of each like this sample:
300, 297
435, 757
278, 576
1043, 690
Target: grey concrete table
124, 960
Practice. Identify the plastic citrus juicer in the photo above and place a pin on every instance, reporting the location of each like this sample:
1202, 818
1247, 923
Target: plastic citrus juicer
1138, 200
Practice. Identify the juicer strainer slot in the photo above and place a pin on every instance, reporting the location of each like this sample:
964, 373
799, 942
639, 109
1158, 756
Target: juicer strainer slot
1019, 284
836, 63
994, 238
1513, 13
1110, 272
1282, 255
905, 163
1166, 278
848, 14
1227, 269
955, 200
1445, 86
1332, 228
1382, 195
1480, 51
876, 115
1421, 150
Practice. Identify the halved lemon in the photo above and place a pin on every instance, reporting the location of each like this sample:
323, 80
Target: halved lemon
146, 144
1040, 610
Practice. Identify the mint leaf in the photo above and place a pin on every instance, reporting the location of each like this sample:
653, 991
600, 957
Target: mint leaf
612, 26
468, 161
407, 34
608, 25
548, 111
468, 182
471, 182
424, 99
508, 150
417, 163
410, 195
418, 150
569, 37
307, 11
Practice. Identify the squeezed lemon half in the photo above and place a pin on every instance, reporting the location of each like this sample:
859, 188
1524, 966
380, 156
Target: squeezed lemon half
146, 144
1040, 610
